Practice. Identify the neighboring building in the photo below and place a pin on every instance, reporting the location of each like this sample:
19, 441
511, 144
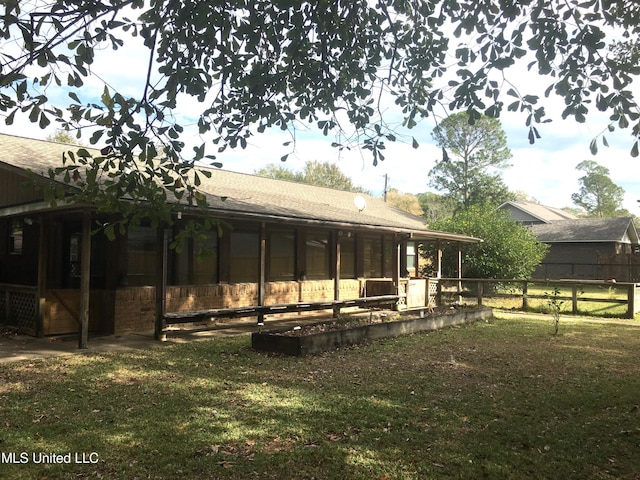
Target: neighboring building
581, 248
282, 243
588, 248
529, 213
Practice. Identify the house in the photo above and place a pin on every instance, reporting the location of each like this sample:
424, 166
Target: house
529, 213
581, 248
282, 243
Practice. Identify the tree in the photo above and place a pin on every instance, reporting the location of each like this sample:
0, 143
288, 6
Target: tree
279, 172
508, 249
436, 207
62, 136
404, 201
315, 173
261, 64
476, 147
598, 195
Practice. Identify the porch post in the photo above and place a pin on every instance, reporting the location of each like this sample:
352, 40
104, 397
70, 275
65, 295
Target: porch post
42, 275
397, 265
262, 270
438, 259
85, 279
162, 247
459, 267
336, 275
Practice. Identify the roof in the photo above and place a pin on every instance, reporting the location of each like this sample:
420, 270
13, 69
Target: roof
528, 211
583, 230
231, 194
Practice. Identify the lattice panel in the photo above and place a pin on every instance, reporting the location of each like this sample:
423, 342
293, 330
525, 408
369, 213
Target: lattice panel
432, 293
22, 310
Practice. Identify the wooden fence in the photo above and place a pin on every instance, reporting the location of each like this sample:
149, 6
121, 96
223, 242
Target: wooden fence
522, 293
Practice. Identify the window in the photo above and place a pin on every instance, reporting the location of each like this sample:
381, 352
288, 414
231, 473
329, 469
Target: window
347, 256
141, 256
245, 257
197, 262
317, 256
281, 255
16, 237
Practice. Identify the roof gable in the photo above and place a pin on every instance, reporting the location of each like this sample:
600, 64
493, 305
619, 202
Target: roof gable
528, 212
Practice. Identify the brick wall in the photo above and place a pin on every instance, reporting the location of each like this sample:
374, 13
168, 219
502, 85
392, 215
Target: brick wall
135, 306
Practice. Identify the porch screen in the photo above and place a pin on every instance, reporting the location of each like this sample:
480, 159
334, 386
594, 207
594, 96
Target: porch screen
281, 255
372, 257
347, 257
245, 257
141, 256
318, 256
197, 262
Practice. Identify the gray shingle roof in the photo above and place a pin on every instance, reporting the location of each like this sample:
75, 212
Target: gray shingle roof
587, 230
538, 212
237, 194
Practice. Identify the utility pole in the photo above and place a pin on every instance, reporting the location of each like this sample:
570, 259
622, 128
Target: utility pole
386, 182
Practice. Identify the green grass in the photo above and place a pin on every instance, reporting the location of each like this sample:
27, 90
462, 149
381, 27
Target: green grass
585, 307
500, 399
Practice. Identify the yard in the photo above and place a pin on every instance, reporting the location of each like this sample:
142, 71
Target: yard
599, 300
499, 399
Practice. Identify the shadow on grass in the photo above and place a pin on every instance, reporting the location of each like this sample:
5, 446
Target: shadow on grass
501, 400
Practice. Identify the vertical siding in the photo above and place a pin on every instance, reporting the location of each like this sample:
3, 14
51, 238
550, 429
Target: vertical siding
16, 189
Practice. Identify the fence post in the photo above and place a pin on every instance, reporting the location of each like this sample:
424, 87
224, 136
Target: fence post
574, 299
525, 295
631, 300
480, 292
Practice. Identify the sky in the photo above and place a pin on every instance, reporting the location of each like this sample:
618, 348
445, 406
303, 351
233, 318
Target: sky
544, 171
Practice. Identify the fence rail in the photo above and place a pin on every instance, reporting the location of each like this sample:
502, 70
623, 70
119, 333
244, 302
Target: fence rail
527, 294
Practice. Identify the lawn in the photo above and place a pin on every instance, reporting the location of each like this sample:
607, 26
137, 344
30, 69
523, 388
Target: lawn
499, 399
593, 300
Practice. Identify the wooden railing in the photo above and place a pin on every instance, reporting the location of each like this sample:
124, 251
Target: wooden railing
527, 294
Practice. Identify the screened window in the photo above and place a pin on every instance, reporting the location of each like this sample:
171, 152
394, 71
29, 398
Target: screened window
372, 257
245, 257
281, 255
16, 237
389, 252
318, 257
141, 256
347, 257
197, 262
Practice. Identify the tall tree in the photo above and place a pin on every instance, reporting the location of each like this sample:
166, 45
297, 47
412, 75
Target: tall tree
471, 149
318, 173
254, 65
598, 195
